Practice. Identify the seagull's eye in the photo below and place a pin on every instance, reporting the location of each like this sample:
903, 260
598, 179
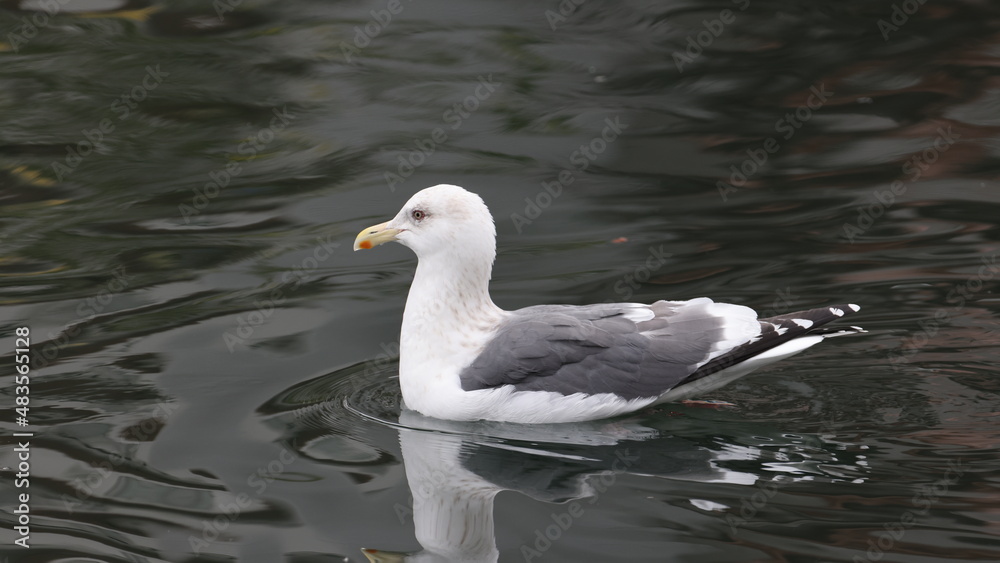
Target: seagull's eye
418, 215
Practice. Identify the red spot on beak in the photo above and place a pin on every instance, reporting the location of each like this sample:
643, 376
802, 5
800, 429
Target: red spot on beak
365, 244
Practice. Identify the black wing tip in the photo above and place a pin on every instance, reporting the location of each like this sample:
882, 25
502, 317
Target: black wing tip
819, 317
822, 314
780, 329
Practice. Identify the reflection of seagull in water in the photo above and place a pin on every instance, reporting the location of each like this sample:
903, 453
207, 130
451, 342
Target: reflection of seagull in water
452, 507
454, 476
464, 358
455, 470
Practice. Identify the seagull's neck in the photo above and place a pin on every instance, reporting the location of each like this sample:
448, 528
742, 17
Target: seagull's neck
449, 316
451, 295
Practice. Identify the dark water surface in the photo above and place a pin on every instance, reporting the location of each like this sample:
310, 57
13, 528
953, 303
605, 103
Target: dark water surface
213, 368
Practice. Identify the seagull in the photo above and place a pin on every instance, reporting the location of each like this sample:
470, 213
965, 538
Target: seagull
461, 357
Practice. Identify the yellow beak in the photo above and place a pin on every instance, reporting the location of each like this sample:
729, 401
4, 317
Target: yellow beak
379, 556
374, 236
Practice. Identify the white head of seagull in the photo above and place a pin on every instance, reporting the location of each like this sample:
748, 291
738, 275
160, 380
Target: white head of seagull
434, 220
452, 233
463, 358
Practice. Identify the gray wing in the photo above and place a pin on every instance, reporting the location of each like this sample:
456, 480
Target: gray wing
629, 349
